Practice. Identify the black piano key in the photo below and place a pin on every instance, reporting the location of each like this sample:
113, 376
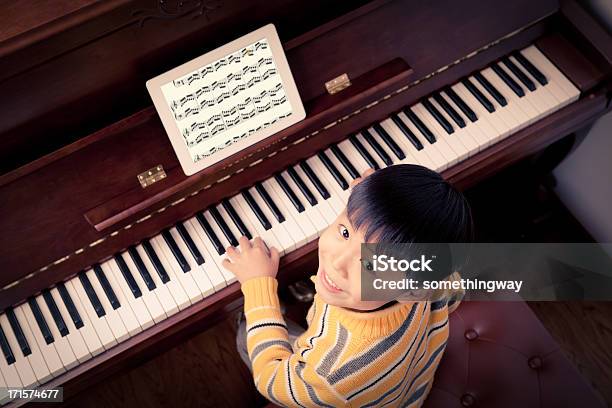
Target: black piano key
256, 209
55, 313
210, 233
231, 211
378, 149
142, 269
127, 275
41, 321
176, 251
91, 294
159, 267
302, 186
467, 111
289, 192
21, 339
352, 171
263, 193
314, 180
438, 117
491, 89
333, 170
478, 95
408, 133
363, 152
503, 75
72, 310
191, 246
539, 76
6, 348
519, 74
106, 287
397, 151
223, 226
416, 121
450, 111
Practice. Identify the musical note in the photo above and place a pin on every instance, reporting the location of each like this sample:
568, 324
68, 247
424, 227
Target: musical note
227, 100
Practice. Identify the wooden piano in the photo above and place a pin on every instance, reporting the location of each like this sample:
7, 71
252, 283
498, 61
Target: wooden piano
98, 273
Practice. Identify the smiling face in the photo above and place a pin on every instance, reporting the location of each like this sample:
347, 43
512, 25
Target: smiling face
338, 280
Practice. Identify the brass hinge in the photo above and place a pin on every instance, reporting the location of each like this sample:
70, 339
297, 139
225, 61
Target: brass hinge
154, 174
337, 84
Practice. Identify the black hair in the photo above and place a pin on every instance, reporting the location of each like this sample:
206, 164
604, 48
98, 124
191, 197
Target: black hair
409, 203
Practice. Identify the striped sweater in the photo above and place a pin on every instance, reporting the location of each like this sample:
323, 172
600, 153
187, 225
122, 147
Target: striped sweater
344, 358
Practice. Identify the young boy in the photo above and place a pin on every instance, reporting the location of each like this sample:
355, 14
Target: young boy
355, 352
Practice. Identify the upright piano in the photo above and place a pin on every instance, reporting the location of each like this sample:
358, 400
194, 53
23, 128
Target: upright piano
109, 254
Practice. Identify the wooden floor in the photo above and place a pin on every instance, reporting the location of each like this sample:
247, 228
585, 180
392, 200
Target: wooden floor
206, 371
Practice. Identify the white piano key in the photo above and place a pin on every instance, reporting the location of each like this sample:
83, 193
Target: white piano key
558, 83
429, 149
149, 298
228, 220
521, 108
46, 352
324, 206
145, 320
457, 150
334, 200
353, 155
112, 317
344, 194
227, 275
299, 223
21, 365
201, 274
454, 147
75, 337
125, 312
180, 281
544, 92
420, 156
509, 123
313, 212
384, 147
36, 359
161, 290
88, 330
286, 242
4, 396
76, 290
542, 102
400, 139
267, 235
461, 136
62, 345
495, 130
9, 372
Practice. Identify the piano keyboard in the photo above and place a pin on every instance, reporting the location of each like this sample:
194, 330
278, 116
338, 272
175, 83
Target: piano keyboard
112, 301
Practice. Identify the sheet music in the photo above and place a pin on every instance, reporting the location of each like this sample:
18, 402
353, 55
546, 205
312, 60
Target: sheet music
227, 100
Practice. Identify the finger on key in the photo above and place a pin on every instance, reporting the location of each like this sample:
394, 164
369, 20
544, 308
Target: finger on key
244, 242
231, 253
259, 243
365, 174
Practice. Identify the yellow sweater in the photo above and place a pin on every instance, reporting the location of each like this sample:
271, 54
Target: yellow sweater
345, 358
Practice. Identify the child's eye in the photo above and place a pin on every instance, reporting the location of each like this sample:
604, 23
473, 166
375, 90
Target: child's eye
343, 231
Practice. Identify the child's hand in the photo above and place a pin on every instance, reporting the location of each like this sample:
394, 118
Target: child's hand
252, 260
365, 174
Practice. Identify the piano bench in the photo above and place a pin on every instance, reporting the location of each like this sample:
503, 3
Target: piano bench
500, 355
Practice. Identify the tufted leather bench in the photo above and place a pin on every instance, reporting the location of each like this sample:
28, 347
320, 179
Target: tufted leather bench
500, 355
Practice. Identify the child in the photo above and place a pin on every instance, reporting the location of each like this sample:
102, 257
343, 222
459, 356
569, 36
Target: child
355, 352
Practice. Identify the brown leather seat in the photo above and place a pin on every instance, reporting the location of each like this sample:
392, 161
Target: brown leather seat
500, 355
